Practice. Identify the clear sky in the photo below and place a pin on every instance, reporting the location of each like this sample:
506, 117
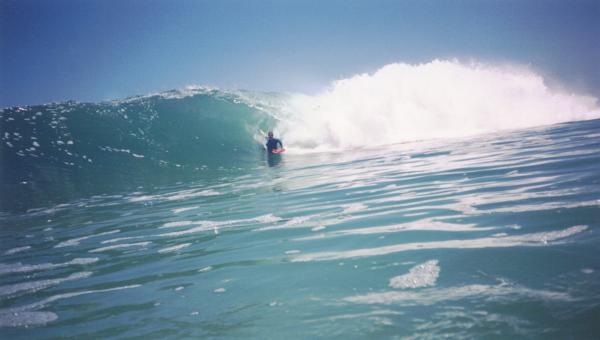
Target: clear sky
92, 50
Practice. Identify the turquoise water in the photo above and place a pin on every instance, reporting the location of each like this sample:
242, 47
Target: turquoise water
493, 236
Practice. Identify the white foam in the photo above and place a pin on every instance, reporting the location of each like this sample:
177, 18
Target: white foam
16, 250
432, 296
25, 315
350, 208
365, 315
419, 225
214, 225
184, 194
119, 239
204, 227
24, 268
174, 248
422, 275
268, 218
76, 241
142, 198
177, 224
190, 194
534, 239
20, 319
439, 99
34, 286
180, 210
120, 246
294, 222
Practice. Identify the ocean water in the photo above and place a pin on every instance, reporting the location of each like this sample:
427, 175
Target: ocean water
162, 217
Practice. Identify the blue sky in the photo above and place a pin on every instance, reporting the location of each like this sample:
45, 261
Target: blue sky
92, 50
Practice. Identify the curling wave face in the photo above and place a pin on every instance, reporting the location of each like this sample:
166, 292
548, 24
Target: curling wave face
56, 151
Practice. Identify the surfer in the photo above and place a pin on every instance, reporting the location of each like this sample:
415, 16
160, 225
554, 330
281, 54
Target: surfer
272, 143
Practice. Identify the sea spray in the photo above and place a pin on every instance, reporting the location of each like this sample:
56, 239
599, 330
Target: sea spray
440, 99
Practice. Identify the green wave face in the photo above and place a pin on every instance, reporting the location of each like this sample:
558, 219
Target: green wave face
54, 152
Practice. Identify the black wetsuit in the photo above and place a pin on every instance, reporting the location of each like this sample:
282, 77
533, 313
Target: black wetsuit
272, 144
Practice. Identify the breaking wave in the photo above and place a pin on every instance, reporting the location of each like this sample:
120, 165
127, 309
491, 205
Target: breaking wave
440, 99
52, 152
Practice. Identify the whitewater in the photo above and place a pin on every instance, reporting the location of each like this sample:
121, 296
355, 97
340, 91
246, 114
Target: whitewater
444, 199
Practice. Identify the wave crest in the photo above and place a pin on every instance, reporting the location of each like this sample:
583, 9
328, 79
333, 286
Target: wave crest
439, 99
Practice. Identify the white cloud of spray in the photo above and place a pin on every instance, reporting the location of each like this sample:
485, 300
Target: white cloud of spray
439, 99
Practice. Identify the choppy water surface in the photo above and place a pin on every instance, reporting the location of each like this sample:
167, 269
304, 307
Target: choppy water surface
493, 236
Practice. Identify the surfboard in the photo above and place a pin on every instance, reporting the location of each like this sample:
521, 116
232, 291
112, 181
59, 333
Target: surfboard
278, 151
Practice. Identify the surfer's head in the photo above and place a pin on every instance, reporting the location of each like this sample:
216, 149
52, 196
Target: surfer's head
270, 134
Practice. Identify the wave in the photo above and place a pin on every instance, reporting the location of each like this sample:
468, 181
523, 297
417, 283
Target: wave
59, 150
50, 153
